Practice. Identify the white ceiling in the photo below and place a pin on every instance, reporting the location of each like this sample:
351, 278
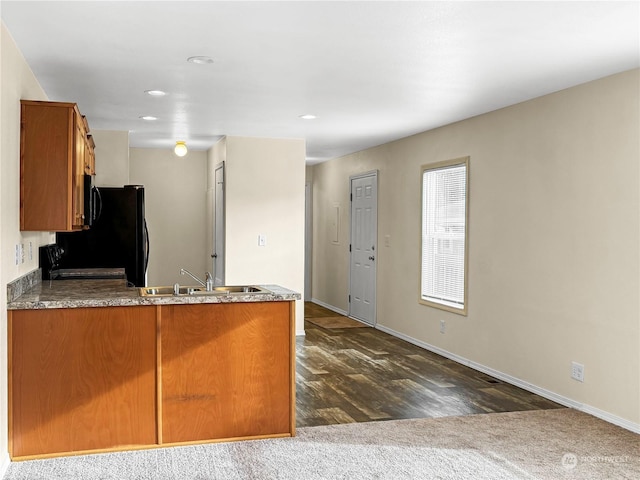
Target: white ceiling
372, 72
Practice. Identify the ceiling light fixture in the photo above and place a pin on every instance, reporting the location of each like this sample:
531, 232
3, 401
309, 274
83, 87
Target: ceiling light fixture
308, 116
180, 149
200, 60
148, 117
155, 93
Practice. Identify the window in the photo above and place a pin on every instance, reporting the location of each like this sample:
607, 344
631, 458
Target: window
445, 203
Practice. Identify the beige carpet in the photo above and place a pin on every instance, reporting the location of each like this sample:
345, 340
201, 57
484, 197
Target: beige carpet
335, 322
542, 444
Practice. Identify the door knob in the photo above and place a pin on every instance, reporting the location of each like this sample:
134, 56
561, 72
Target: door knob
372, 258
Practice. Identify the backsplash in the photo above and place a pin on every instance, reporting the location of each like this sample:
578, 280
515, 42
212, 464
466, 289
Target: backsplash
23, 284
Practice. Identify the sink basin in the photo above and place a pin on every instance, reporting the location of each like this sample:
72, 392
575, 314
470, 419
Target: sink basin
240, 289
198, 290
168, 291
232, 290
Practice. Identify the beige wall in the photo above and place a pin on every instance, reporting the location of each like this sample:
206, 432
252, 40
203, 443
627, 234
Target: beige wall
175, 207
265, 195
554, 234
16, 82
112, 157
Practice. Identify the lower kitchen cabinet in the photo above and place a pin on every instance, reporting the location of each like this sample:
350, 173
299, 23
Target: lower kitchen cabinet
81, 379
120, 378
226, 371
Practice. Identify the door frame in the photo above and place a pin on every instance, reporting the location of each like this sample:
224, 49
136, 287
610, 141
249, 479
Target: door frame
308, 243
371, 173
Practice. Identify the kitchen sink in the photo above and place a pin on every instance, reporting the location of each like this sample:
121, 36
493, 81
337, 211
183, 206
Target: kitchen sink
199, 290
168, 291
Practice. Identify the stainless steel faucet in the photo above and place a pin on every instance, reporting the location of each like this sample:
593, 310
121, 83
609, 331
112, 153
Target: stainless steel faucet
209, 281
208, 284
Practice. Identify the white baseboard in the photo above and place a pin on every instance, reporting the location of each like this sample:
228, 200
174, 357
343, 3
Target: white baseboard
608, 417
4, 463
329, 307
562, 400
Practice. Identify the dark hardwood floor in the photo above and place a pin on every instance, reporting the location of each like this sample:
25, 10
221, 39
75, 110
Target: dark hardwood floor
347, 375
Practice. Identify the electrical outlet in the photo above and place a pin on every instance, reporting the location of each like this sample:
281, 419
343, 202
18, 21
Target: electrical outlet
577, 371
30, 251
442, 326
262, 240
22, 253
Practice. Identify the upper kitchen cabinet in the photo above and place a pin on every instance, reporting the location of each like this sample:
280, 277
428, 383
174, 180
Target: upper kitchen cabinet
56, 153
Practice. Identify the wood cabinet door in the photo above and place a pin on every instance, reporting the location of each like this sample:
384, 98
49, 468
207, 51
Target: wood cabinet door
79, 162
81, 379
226, 371
90, 156
46, 167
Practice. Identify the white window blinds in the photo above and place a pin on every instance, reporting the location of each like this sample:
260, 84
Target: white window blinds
444, 205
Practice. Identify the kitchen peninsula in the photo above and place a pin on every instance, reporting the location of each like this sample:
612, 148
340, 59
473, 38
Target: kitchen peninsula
94, 366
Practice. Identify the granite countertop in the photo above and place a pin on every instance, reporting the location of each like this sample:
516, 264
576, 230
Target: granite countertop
116, 293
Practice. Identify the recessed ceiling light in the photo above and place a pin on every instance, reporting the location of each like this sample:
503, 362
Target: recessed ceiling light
155, 93
148, 117
308, 116
200, 60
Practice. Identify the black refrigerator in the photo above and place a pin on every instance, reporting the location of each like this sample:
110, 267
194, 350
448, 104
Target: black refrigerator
118, 237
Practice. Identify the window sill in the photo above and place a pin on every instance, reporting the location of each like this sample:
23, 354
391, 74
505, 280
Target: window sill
444, 306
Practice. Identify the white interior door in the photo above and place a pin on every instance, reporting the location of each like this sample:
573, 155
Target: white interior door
218, 226
364, 227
